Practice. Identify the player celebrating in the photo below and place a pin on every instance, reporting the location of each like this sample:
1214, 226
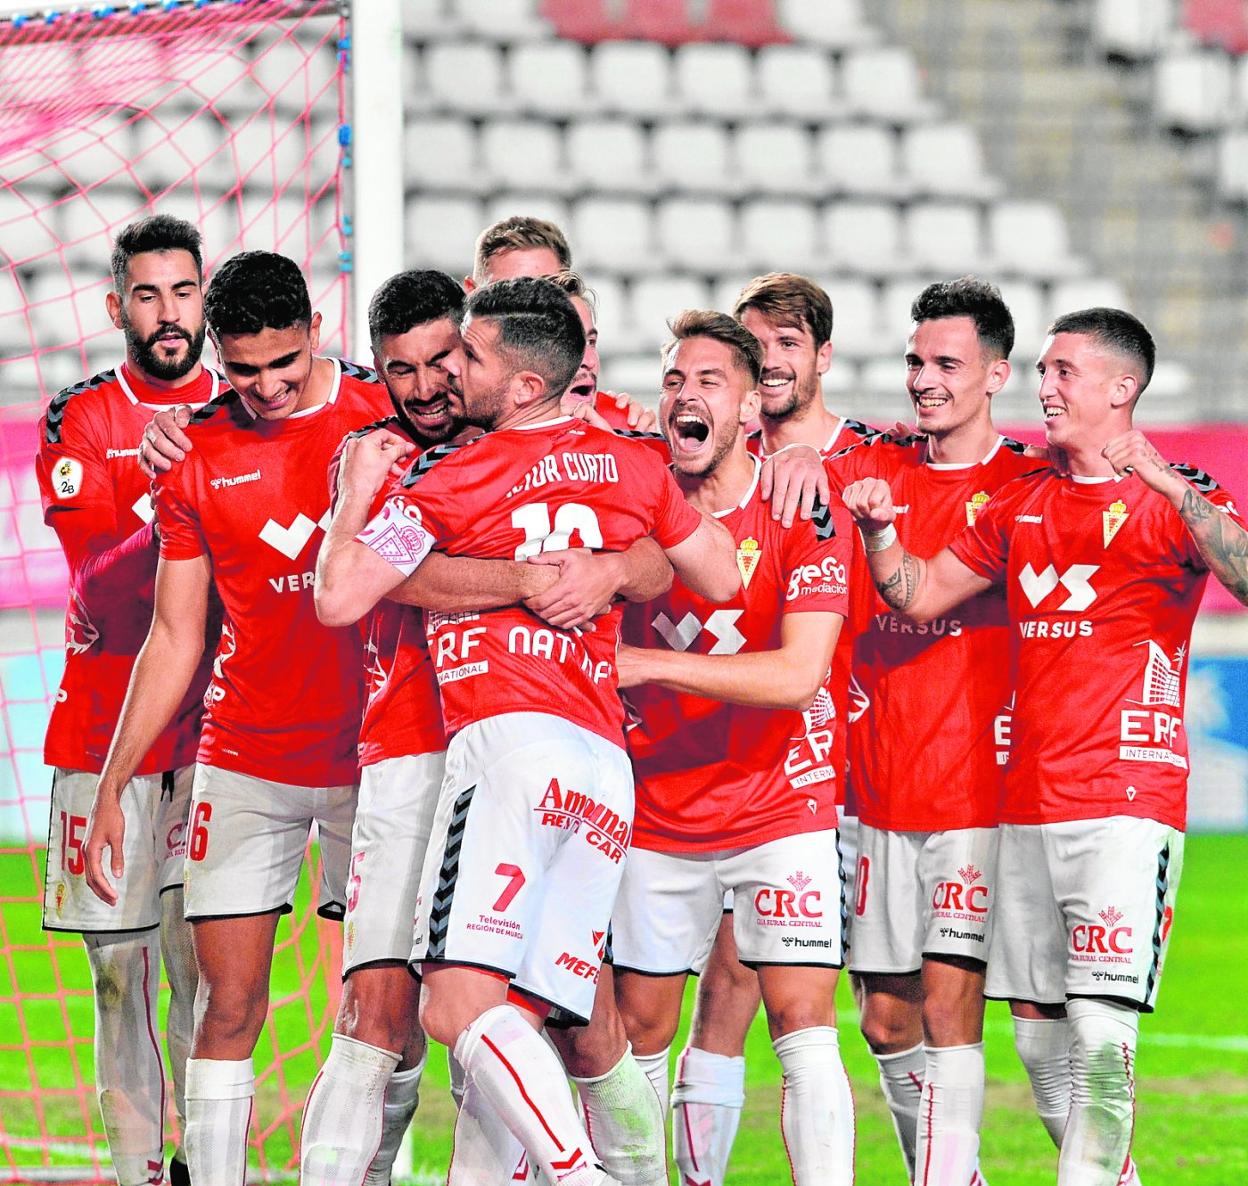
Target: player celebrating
927, 869
1103, 567
283, 709
538, 794
792, 317
96, 500
732, 795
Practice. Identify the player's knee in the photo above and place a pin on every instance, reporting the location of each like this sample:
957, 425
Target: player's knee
885, 1031
589, 1050
379, 1010
953, 1019
442, 1018
229, 1013
798, 1013
648, 1030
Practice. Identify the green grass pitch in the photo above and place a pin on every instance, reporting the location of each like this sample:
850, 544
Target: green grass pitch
1192, 1108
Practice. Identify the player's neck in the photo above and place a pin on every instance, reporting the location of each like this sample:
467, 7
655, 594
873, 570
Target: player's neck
531, 413
813, 426
1084, 460
725, 487
153, 384
320, 383
964, 445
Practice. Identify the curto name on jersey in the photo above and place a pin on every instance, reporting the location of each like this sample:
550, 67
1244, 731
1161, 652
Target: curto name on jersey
568, 467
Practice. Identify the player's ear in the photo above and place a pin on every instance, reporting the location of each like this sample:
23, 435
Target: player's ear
314, 332
1125, 389
527, 387
823, 358
751, 403
998, 375
112, 303
469, 284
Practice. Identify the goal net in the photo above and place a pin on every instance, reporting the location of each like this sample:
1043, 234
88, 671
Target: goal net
232, 114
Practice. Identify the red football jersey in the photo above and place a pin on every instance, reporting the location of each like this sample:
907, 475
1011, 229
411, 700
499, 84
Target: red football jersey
509, 495
1103, 581
711, 775
402, 711
97, 501
286, 696
604, 405
926, 747
845, 435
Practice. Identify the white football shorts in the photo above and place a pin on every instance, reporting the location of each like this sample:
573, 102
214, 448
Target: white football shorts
246, 841
532, 828
1085, 910
393, 821
788, 906
922, 893
155, 809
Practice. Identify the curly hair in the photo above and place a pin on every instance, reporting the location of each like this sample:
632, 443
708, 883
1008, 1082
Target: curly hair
412, 298
256, 290
968, 296
539, 329
157, 232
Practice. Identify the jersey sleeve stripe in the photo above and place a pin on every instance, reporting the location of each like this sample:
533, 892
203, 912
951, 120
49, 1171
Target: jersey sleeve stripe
55, 416
821, 520
427, 460
1197, 477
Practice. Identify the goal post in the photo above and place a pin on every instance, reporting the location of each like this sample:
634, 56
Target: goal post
253, 119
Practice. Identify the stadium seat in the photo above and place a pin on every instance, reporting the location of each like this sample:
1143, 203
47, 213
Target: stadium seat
638, 374
614, 234
1131, 29
441, 233
855, 318
523, 154
693, 156
697, 234
611, 314
550, 78
1239, 94
776, 157
895, 301
1029, 238
465, 77
93, 156
1193, 90
588, 21
1069, 295
944, 160
884, 379
657, 299
796, 80
442, 152
944, 236
1030, 312
538, 205
1232, 175
780, 234
632, 78
429, 20
501, 20
63, 307
883, 83
85, 226
747, 22
278, 74
715, 79
255, 157
610, 155
15, 335
726, 288
837, 24
859, 160
200, 151
863, 236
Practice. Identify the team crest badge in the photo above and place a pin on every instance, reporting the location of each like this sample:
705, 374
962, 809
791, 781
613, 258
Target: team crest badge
1113, 519
747, 559
60, 898
975, 506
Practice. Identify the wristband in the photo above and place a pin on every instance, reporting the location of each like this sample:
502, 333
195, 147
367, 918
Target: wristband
878, 541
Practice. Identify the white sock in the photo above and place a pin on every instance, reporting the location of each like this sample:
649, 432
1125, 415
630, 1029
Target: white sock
624, 1120
521, 1079
1044, 1049
816, 1108
402, 1097
456, 1073
706, 1109
1102, 1098
342, 1118
129, 1072
179, 955
950, 1114
901, 1080
219, 1096
654, 1067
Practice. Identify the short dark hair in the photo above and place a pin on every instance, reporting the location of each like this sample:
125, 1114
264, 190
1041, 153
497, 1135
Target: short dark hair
412, 298
520, 232
1115, 329
968, 296
790, 299
747, 350
539, 329
156, 232
256, 290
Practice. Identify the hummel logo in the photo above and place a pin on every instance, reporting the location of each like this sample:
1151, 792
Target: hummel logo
290, 541
1038, 585
217, 483
1028, 518
721, 625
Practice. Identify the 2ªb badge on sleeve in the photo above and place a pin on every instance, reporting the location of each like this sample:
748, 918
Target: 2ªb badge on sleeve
66, 477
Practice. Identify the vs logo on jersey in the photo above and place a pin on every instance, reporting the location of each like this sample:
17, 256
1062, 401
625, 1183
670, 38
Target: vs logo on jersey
66, 477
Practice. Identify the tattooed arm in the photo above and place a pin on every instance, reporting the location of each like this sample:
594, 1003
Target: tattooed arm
917, 589
1220, 540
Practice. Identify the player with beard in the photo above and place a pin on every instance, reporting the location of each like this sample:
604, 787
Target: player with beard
1102, 566
733, 791
277, 750
350, 1132
792, 317
96, 500
505, 865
